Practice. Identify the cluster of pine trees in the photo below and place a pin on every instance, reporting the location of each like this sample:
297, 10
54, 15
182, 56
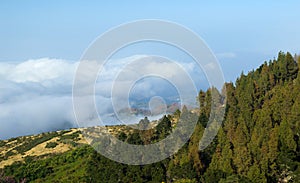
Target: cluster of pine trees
260, 137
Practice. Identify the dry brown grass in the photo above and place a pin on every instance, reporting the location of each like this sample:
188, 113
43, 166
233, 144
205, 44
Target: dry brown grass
41, 150
38, 150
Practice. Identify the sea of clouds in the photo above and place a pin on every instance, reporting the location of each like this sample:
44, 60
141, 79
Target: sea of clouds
36, 95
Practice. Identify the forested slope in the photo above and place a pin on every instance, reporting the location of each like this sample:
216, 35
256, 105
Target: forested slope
260, 137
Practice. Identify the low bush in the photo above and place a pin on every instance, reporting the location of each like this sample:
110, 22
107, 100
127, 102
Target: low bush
51, 145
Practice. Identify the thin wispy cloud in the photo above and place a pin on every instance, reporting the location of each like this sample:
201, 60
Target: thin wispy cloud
226, 55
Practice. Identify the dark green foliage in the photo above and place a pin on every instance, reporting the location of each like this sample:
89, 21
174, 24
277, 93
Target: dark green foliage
101, 169
260, 134
62, 168
235, 179
203, 119
8, 179
9, 153
163, 128
64, 132
186, 181
135, 138
214, 176
2, 143
177, 113
186, 170
51, 144
122, 136
32, 171
72, 136
12, 139
32, 142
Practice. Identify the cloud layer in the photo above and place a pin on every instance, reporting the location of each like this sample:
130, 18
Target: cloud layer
36, 95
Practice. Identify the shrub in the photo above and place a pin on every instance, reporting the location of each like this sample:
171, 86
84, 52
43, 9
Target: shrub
2, 143
51, 145
73, 136
30, 143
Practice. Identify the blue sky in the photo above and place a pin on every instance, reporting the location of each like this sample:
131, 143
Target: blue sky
244, 34
41, 43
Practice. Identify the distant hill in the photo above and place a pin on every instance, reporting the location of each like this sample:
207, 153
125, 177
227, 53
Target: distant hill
259, 140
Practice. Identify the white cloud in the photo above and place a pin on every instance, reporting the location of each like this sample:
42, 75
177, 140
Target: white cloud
36, 95
40, 70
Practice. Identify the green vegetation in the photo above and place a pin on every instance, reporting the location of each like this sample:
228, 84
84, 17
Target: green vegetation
9, 153
260, 137
62, 168
259, 140
51, 144
29, 143
2, 143
70, 138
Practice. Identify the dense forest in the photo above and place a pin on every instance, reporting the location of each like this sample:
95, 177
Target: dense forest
258, 140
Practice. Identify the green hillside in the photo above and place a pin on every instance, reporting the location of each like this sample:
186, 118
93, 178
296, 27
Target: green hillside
258, 141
